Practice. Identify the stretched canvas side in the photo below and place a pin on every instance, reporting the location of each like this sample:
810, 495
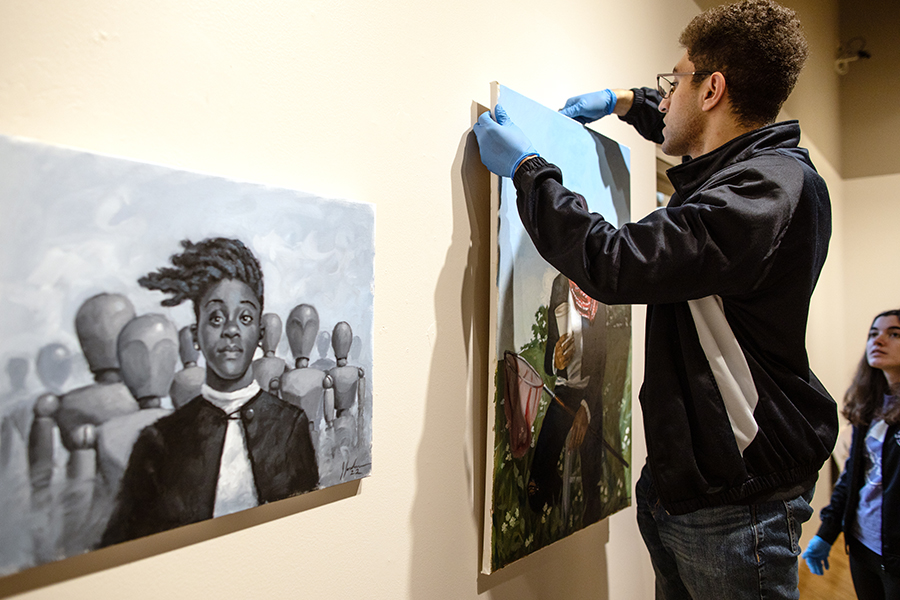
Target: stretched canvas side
538, 490
487, 537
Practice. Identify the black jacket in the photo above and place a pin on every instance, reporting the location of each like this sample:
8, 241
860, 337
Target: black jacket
840, 514
739, 247
174, 466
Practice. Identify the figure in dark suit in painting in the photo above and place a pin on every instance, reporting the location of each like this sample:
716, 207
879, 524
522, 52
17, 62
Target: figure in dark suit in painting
234, 446
576, 355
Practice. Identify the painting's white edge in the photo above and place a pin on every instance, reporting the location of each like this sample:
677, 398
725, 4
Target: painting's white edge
488, 529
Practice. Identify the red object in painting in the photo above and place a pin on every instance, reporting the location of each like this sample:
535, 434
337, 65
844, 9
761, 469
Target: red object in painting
521, 396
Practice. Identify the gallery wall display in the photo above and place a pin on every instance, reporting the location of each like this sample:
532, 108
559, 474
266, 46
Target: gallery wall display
542, 486
175, 347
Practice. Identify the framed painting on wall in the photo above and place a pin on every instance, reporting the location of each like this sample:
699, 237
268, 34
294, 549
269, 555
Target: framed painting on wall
176, 347
554, 352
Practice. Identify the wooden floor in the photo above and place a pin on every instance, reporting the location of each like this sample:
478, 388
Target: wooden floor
835, 584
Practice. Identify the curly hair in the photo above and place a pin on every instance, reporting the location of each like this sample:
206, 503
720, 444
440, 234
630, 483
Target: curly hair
864, 400
201, 266
758, 45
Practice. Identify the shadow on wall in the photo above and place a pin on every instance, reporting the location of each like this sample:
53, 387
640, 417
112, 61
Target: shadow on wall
572, 568
145, 547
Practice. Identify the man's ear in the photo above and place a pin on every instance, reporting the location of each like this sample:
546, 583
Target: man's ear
194, 337
714, 90
262, 332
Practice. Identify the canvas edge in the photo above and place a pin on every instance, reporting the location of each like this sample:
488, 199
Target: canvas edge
488, 529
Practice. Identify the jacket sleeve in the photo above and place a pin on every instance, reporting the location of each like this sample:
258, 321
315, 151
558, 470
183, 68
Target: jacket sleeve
720, 242
644, 114
833, 515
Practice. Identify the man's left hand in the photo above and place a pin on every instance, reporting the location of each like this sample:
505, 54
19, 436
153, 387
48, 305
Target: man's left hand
579, 429
502, 144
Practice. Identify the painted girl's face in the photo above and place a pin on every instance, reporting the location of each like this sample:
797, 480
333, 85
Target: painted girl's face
228, 331
883, 345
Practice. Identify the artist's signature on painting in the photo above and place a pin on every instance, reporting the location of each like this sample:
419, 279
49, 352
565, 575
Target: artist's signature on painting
355, 469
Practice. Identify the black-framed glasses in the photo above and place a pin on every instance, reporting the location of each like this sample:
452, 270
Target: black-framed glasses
666, 82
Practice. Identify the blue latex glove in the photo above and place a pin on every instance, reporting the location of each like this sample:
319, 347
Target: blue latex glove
502, 144
590, 107
816, 555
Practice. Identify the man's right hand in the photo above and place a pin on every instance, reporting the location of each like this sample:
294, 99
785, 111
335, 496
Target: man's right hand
590, 107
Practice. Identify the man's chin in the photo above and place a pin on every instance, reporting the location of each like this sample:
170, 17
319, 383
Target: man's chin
666, 146
670, 150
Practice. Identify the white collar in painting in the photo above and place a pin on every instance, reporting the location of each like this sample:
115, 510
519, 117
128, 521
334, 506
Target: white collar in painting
229, 401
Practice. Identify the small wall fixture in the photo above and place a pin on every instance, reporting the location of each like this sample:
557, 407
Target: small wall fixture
854, 49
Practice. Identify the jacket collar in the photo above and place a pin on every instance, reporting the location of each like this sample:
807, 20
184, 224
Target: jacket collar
693, 173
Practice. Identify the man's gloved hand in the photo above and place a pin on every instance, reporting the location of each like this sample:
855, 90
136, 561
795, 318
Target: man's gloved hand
502, 144
590, 107
816, 555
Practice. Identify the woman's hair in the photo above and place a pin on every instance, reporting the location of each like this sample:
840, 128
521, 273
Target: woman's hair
864, 400
201, 266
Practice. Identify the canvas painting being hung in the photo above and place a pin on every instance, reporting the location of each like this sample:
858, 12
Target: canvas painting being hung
557, 356
176, 347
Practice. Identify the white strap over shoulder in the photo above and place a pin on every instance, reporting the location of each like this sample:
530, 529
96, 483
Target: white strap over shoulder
729, 367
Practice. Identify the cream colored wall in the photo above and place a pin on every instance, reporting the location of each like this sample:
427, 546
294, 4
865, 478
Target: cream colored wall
870, 122
372, 102
873, 245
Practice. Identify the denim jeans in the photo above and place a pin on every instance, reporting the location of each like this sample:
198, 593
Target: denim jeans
725, 552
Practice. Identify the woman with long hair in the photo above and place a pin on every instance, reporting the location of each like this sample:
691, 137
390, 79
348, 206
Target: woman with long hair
865, 504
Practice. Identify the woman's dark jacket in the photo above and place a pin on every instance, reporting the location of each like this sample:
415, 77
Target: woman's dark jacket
840, 514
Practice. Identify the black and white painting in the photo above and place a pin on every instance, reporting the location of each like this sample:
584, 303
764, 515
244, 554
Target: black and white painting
175, 347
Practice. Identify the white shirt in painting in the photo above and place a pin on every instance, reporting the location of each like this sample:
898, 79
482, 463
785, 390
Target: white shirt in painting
235, 489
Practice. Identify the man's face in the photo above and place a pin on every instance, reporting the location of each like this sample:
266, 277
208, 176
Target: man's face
684, 121
228, 329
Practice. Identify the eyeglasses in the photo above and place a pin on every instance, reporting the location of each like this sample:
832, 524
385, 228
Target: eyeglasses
666, 86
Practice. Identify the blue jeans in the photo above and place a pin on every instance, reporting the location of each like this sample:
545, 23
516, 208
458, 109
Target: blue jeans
725, 552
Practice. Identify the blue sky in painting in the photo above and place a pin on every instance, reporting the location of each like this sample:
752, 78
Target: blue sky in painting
572, 147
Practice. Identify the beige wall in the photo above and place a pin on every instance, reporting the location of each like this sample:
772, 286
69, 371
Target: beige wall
873, 245
371, 101
870, 121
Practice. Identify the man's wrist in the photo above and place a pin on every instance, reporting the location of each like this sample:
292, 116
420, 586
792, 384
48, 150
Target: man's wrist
624, 100
523, 161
